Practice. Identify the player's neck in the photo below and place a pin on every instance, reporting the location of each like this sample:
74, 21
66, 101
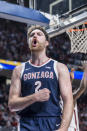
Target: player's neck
38, 58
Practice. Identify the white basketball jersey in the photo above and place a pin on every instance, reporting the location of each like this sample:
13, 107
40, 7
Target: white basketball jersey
74, 125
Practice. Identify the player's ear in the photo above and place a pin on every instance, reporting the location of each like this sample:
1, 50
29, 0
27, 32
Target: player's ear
47, 43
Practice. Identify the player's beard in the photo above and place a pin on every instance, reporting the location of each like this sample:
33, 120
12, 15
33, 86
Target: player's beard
38, 47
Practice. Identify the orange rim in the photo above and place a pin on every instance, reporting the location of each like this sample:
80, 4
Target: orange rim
85, 23
78, 29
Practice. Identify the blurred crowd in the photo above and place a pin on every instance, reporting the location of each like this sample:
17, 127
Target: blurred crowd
8, 120
82, 111
13, 46
13, 41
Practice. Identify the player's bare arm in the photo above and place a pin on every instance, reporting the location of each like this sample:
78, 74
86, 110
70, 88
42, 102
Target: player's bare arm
16, 102
66, 93
83, 85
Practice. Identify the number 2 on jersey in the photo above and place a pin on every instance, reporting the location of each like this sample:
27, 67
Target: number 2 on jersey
38, 85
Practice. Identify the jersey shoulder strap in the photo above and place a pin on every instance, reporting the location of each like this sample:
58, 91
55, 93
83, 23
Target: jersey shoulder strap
55, 68
22, 70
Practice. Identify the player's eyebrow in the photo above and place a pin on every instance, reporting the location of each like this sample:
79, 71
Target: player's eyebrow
39, 32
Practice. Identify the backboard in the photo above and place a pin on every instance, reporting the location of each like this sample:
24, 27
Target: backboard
61, 7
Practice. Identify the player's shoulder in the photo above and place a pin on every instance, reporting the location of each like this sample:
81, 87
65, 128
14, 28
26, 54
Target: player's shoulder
59, 64
18, 68
61, 67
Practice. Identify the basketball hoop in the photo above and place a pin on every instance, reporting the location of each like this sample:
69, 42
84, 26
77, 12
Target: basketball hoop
78, 37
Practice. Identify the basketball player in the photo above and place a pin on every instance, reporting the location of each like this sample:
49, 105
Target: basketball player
74, 125
36, 87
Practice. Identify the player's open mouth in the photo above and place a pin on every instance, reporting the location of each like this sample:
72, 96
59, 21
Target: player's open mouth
34, 42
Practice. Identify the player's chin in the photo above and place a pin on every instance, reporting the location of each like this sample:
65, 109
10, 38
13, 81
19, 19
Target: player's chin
36, 48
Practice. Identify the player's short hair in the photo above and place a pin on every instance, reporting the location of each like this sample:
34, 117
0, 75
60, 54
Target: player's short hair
30, 29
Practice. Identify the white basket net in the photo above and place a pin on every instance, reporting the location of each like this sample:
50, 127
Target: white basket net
78, 38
